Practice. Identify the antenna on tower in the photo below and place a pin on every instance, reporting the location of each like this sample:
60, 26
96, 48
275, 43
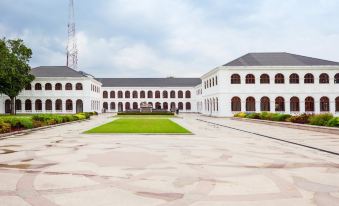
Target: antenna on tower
72, 50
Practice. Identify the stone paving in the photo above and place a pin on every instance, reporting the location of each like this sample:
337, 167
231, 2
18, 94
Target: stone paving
215, 166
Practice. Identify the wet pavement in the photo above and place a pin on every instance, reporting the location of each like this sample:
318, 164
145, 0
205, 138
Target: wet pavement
215, 166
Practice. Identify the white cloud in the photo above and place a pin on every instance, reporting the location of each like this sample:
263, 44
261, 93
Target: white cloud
187, 38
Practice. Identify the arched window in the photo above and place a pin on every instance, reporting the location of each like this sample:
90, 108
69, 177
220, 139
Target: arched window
294, 78
48, 105
68, 86
324, 78
165, 94
28, 105
79, 106
78, 86
324, 104
69, 105
8, 106
58, 86
28, 87
180, 94
236, 104
120, 107
172, 106
105, 105
18, 105
157, 105
336, 79
135, 105
142, 94
127, 106
127, 94
157, 94
279, 79
38, 105
337, 104
58, 105
120, 94
264, 79
165, 105
235, 79
150, 103
294, 104
250, 104
217, 103
135, 94
112, 105
308, 78
212, 81
38, 86
279, 104
180, 106
172, 94
48, 86
105, 94
265, 105
188, 94
188, 106
309, 104
112, 95
149, 94
250, 79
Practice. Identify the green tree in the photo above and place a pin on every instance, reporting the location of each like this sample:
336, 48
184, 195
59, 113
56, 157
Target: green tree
14, 68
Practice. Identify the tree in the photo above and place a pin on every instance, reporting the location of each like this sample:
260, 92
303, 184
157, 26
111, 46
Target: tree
14, 68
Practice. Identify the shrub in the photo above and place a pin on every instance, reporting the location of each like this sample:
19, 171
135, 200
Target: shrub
4, 127
240, 114
301, 119
334, 122
253, 116
280, 117
145, 113
320, 119
266, 115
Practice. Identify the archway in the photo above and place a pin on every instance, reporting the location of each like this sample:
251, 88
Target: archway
79, 106
8, 106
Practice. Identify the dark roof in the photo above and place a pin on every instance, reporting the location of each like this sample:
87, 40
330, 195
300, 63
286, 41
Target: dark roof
279, 59
55, 71
149, 82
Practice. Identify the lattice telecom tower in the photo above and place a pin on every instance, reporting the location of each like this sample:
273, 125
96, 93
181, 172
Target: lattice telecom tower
72, 50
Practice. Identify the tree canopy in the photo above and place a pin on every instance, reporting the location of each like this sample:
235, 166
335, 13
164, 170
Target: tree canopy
14, 68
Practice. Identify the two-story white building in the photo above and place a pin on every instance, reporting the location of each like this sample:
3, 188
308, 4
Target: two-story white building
273, 82
255, 82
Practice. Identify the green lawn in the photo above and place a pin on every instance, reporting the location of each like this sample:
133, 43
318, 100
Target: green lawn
140, 125
146, 116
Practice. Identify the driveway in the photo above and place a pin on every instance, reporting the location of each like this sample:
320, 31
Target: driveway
215, 166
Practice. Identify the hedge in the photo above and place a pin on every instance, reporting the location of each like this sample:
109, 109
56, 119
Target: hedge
326, 119
145, 113
14, 123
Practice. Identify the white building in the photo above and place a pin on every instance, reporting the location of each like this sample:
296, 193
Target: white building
275, 82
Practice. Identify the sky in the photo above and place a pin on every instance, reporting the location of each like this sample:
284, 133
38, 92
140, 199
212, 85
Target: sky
162, 38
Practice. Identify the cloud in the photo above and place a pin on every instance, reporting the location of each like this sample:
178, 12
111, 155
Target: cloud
131, 38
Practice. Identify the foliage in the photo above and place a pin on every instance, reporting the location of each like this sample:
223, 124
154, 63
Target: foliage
38, 120
14, 68
301, 119
320, 119
253, 116
240, 114
4, 127
146, 113
334, 122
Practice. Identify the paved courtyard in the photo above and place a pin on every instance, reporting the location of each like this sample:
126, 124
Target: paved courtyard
215, 166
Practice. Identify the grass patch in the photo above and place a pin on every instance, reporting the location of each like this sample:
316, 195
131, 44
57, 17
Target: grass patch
140, 125
145, 116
